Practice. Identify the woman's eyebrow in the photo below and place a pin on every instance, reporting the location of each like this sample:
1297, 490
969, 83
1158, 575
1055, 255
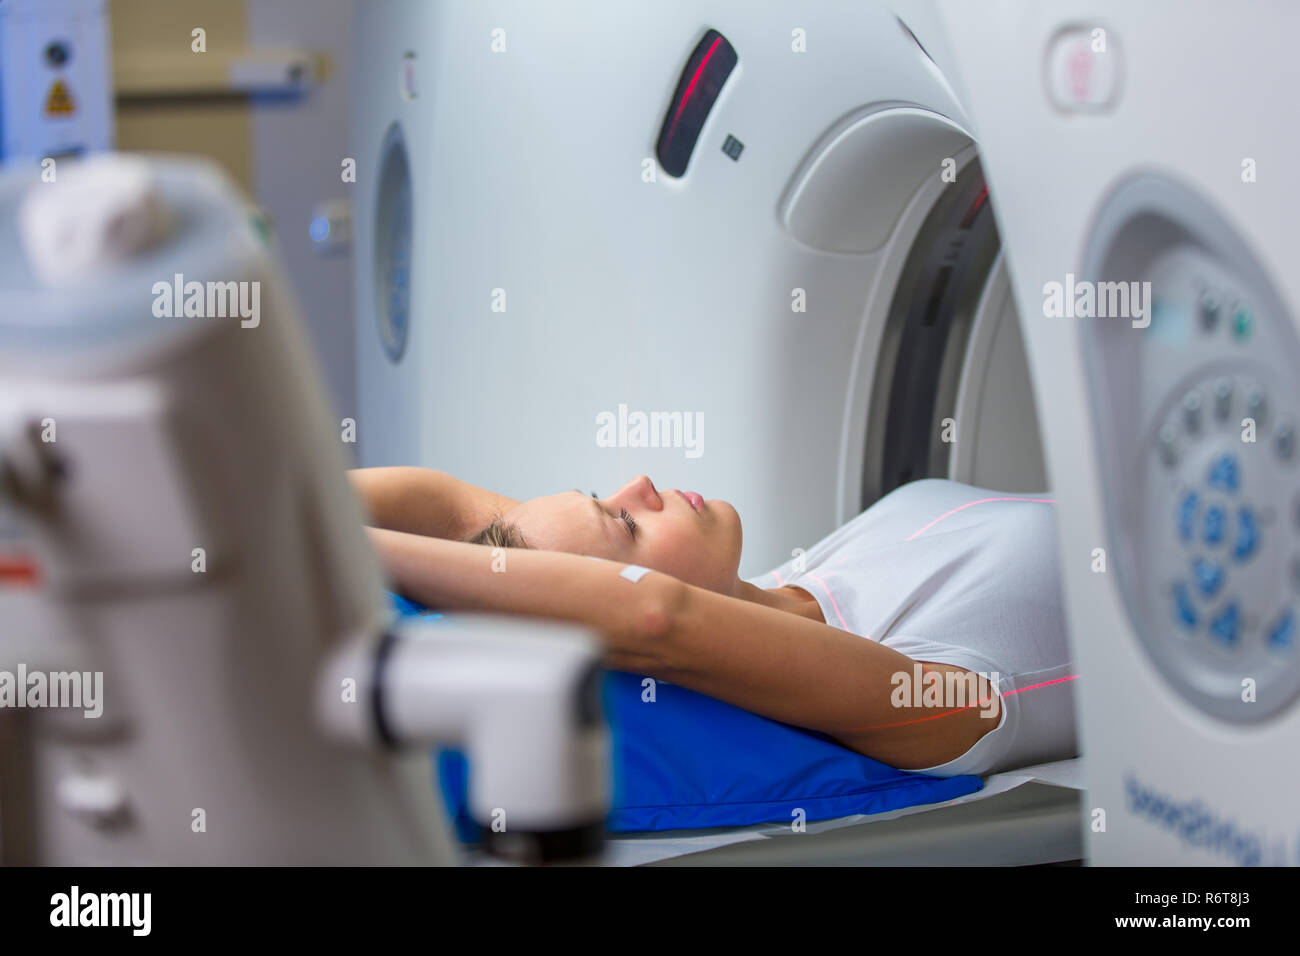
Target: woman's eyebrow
600, 510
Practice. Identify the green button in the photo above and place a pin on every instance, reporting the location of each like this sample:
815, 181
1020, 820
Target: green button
1241, 323
261, 227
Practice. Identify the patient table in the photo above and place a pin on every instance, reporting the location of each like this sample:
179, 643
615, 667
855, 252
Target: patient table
1026, 817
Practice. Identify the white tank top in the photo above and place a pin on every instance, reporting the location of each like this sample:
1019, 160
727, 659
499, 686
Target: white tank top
945, 572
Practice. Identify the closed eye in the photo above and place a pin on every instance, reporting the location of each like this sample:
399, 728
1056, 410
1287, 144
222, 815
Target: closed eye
623, 515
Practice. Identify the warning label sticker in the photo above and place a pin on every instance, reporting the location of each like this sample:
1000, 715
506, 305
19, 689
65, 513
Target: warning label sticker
59, 101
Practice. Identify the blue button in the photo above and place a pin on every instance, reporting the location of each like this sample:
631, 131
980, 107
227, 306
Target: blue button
1215, 519
1224, 473
1183, 606
1209, 576
1187, 515
1282, 634
1247, 534
1224, 627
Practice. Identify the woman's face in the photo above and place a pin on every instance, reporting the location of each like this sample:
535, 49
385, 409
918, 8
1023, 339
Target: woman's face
678, 533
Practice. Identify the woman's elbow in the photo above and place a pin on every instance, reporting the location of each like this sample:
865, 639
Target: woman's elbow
650, 626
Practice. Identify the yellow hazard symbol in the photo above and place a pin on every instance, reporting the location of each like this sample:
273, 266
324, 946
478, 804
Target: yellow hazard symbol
59, 101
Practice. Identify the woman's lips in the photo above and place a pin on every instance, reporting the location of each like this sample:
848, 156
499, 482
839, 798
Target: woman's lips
696, 501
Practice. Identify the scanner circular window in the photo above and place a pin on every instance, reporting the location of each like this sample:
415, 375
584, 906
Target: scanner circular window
393, 245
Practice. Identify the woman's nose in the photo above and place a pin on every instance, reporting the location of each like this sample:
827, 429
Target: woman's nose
641, 490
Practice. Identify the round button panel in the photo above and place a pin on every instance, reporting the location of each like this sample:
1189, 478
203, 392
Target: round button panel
1224, 543
1194, 405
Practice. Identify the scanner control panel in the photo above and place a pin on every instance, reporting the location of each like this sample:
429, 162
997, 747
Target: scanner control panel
1197, 403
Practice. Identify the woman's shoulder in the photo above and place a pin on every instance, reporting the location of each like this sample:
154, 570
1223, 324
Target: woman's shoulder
906, 512
930, 493
927, 506
924, 496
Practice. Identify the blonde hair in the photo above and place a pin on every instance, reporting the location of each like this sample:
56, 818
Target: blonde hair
498, 533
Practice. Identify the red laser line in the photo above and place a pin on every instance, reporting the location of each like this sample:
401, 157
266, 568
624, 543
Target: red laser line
1046, 683
915, 534
949, 713
833, 604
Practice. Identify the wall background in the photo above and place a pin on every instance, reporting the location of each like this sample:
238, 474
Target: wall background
285, 151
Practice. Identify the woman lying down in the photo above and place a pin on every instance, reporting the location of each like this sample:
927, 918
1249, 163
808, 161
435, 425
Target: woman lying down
927, 633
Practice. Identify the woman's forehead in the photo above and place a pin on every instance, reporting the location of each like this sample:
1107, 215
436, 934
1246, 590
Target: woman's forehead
567, 521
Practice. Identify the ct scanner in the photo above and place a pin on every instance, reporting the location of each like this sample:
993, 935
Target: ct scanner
682, 207
718, 255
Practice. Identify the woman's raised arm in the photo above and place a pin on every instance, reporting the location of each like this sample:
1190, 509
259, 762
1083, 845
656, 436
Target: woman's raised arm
452, 575
426, 501
780, 665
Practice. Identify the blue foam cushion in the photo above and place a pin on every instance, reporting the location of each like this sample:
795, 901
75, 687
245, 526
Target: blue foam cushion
405, 607
683, 760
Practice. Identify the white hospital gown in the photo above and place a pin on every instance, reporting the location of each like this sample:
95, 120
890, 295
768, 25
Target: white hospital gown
945, 572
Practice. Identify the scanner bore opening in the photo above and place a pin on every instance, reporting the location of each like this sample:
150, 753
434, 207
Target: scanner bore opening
919, 365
